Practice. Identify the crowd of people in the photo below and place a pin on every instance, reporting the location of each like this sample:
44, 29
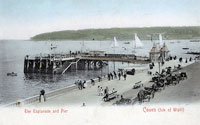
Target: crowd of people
104, 91
100, 90
114, 75
181, 59
80, 84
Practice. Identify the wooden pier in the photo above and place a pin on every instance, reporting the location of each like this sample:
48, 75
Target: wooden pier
61, 63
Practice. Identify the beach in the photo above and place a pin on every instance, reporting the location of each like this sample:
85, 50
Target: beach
90, 96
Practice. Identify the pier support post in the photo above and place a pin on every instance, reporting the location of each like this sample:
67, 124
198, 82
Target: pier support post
25, 65
100, 64
47, 64
40, 66
88, 64
33, 65
76, 66
95, 64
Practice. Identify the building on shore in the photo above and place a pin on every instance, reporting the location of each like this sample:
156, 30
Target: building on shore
164, 52
156, 55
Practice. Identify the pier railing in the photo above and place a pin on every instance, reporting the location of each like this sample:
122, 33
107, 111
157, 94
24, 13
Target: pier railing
66, 56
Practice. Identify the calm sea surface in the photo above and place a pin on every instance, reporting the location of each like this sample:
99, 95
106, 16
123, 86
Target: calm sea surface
12, 53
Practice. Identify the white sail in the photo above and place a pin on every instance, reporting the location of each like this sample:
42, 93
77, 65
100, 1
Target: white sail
160, 40
137, 43
114, 43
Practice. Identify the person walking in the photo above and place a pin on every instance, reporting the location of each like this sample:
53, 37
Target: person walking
99, 90
180, 59
42, 93
80, 85
99, 78
119, 75
106, 90
115, 74
124, 76
108, 76
92, 82
190, 59
83, 105
83, 85
113, 90
106, 94
101, 93
111, 75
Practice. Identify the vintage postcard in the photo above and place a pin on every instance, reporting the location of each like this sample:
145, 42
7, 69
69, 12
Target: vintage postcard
99, 62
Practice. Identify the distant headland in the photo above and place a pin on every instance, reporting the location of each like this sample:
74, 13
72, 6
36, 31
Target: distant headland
145, 33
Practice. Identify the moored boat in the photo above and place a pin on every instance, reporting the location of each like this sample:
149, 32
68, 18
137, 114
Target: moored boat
185, 48
195, 40
12, 74
126, 42
193, 53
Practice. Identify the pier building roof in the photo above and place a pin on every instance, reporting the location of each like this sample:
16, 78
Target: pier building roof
164, 48
154, 49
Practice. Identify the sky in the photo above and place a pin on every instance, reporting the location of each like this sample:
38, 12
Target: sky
22, 19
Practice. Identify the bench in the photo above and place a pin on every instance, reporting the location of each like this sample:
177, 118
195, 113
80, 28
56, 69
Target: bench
137, 85
124, 101
110, 96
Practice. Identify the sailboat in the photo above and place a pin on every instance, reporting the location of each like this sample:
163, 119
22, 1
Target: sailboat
126, 42
160, 41
114, 43
53, 47
137, 44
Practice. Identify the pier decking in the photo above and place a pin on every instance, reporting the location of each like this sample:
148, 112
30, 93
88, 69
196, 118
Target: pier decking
60, 63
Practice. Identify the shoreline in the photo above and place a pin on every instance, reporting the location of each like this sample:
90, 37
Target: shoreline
50, 94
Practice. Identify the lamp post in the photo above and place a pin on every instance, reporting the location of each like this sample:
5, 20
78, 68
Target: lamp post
159, 66
159, 61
